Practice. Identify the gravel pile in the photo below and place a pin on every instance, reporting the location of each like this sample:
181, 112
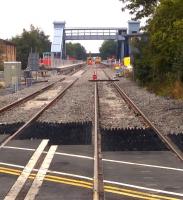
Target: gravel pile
77, 105
165, 113
9, 98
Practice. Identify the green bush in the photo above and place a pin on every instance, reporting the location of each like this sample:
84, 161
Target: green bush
158, 63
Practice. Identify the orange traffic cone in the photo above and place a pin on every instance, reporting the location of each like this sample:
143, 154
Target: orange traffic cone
94, 76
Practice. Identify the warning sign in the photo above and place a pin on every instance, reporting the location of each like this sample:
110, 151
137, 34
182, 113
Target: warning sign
127, 61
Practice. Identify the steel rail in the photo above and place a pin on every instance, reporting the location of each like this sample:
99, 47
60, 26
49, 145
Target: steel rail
36, 116
98, 186
170, 145
28, 97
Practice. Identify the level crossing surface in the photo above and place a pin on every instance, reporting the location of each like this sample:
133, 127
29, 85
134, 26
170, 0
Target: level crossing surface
67, 171
127, 175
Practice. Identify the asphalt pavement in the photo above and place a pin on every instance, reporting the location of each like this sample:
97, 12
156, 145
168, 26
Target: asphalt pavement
127, 175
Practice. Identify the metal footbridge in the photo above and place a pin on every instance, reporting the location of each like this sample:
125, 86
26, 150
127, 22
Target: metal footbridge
120, 34
94, 33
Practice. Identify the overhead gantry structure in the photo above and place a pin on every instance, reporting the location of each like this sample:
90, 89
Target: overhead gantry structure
119, 34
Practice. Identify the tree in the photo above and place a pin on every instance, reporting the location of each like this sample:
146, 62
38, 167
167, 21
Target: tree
34, 39
108, 49
166, 30
161, 55
76, 51
140, 8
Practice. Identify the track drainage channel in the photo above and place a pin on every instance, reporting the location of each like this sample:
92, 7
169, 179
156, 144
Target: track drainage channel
131, 140
74, 133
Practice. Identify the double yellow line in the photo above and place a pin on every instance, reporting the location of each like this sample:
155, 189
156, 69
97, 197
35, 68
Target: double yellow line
89, 185
136, 194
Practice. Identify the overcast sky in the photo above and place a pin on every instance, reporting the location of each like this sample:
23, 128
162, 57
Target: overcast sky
18, 14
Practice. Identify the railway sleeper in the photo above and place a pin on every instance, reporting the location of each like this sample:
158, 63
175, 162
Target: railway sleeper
135, 139
177, 139
73, 133
10, 128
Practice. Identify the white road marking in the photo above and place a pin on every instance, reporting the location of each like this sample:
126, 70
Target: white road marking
144, 165
34, 189
105, 160
144, 188
106, 181
16, 188
74, 155
57, 153
50, 171
71, 175
18, 148
12, 165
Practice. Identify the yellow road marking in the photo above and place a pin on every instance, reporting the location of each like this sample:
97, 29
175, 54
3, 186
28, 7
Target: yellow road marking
131, 195
53, 179
138, 192
69, 183
67, 179
10, 169
89, 185
9, 172
18, 172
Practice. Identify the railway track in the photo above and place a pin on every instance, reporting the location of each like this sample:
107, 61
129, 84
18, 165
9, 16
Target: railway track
170, 145
34, 94
99, 188
38, 113
28, 97
25, 187
69, 171
99, 173
98, 185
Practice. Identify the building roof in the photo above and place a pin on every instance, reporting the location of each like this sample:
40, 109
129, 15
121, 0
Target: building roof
7, 42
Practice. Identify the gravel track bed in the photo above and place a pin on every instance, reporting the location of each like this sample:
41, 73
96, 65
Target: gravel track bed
25, 111
10, 98
165, 113
77, 105
114, 112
